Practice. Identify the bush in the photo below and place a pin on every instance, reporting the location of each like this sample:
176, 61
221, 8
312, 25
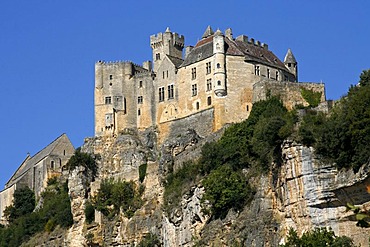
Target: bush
89, 212
311, 97
114, 196
56, 210
179, 183
82, 159
23, 203
142, 172
226, 189
150, 240
319, 237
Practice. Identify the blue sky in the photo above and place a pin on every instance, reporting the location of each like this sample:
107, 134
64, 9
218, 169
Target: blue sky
48, 50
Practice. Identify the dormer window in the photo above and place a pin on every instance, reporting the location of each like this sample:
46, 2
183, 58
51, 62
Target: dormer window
158, 56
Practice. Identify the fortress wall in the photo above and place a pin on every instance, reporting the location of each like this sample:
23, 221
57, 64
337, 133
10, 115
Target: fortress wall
6, 199
201, 122
289, 92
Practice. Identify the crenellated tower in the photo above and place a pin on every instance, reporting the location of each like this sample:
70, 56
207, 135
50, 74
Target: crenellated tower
166, 43
219, 64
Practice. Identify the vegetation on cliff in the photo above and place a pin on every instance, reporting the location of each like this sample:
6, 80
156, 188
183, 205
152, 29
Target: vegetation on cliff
254, 142
25, 221
319, 237
82, 159
116, 196
343, 136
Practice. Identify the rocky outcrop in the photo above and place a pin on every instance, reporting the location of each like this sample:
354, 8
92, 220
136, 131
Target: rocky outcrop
185, 223
302, 192
310, 193
78, 183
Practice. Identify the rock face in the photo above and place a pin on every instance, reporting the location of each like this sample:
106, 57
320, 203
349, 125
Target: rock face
311, 194
302, 193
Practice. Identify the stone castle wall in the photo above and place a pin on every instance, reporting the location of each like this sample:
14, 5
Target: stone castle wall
289, 92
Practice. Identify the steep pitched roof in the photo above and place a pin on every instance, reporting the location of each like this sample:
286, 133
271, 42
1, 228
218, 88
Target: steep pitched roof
289, 57
208, 32
176, 61
29, 162
251, 52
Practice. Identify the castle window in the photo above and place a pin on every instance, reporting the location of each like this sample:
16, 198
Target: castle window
140, 99
52, 164
140, 83
170, 91
277, 75
197, 105
193, 73
218, 66
161, 94
194, 90
218, 83
163, 74
289, 65
209, 100
257, 70
167, 73
138, 112
110, 77
124, 105
108, 100
209, 85
247, 107
208, 67
158, 56
268, 73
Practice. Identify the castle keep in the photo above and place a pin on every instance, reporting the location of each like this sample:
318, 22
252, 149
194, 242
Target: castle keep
211, 85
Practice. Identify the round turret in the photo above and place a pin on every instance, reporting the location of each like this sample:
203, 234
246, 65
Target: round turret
219, 64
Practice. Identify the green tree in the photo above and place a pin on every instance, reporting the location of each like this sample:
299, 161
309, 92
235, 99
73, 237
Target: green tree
365, 78
116, 195
319, 237
23, 203
226, 189
82, 159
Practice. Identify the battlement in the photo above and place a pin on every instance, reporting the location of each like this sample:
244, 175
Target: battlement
176, 39
252, 41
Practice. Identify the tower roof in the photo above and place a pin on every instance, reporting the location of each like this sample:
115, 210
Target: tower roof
289, 57
208, 32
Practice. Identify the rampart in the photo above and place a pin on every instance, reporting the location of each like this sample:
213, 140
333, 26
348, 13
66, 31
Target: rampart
289, 92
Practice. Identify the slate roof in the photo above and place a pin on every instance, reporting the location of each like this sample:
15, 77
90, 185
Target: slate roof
289, 57
176, 61
29, 162
251, 52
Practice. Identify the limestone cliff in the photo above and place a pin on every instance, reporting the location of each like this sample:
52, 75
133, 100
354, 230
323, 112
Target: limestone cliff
303, 193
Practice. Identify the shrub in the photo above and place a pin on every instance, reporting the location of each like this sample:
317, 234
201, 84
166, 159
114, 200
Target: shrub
114, 196
179, 183
82, 159
142, 172
150, 240
23, 203
226, 189
311, 97
89, 212
319, 237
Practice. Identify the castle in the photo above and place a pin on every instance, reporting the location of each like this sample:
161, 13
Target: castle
214, 83
35, 171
